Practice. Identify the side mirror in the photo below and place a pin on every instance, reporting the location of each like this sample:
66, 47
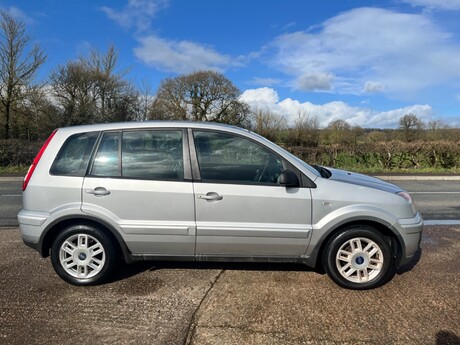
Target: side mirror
288, 178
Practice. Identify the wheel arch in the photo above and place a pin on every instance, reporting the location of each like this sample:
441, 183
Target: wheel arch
384, 228
53, 229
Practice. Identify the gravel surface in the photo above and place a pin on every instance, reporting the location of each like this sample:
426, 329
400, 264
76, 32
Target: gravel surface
190, 303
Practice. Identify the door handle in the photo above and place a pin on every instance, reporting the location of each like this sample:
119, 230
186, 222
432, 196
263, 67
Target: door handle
211, 196
98, 191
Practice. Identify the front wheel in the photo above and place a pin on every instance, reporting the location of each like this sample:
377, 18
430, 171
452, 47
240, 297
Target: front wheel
83, 255
359, 258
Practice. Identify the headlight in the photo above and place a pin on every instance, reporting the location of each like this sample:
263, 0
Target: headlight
408, 198
405, 195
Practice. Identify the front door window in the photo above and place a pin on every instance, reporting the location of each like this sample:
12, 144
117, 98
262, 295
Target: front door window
233, 159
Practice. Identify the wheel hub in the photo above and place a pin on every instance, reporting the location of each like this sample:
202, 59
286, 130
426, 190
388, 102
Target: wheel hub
359, 260
82, 256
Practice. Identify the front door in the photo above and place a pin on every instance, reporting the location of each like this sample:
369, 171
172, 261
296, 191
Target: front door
241, 210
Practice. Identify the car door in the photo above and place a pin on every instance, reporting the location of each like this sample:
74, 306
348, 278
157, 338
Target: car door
241, 210
138, 183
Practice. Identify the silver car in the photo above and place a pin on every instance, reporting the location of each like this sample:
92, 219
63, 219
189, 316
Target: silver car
207, 192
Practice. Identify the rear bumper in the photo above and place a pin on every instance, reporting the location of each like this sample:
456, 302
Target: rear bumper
31, 225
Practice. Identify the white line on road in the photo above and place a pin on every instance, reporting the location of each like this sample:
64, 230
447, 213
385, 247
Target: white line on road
434, 192
11, 195
442, 222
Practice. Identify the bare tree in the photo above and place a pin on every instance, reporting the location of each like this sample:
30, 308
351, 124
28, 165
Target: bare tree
268, 124
145, 101
411, 127
339, 132
200, 96
91, 90
19, 64
305, 130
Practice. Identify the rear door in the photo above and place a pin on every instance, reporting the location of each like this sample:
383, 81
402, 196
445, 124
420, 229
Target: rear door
241, 210
138, 181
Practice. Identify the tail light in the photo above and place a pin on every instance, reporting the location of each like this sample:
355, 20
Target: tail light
36, 160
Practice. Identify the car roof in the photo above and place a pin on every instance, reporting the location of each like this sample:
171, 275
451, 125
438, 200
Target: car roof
152, 124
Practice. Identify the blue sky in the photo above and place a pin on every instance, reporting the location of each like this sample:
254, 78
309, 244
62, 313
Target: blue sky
366, 62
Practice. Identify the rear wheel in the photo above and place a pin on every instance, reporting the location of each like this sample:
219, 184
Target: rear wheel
359, 258
83, 255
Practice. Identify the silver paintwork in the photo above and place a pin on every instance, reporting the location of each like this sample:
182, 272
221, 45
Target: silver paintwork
213, 221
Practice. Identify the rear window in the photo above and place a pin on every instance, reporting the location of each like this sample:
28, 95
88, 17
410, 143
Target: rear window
74, 155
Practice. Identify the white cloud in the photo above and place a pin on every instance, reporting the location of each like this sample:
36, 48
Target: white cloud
267, 98
263, 97
453, 5
315, 81
18, 14
265, 81
180, 56
404, 52
137, 13
373, 87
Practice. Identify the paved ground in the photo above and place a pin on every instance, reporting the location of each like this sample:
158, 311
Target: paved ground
230, 304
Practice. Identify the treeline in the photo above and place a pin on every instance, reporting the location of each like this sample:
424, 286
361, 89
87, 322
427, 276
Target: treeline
424, 156
94, 89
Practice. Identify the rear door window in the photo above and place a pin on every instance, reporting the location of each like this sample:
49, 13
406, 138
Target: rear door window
154, 155
143, 154
107, 161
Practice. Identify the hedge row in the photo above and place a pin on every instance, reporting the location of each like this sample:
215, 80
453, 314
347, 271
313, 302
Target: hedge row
18, 152
394, 155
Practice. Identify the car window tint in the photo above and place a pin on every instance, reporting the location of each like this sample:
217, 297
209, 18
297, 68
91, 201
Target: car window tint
106, 162
153, 155
73, 157
228, 158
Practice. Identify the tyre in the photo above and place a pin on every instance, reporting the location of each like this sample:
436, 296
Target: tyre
359, 258
83, 255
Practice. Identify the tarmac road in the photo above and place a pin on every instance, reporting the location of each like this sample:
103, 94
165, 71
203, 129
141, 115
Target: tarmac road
188, 303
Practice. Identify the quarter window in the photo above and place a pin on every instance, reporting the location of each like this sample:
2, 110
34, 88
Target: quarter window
233, 159
73, 157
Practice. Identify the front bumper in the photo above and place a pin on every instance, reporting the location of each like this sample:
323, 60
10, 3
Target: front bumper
410, 230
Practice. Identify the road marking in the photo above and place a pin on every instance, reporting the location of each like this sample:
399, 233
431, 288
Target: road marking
11, 195
434, 192
442, 222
